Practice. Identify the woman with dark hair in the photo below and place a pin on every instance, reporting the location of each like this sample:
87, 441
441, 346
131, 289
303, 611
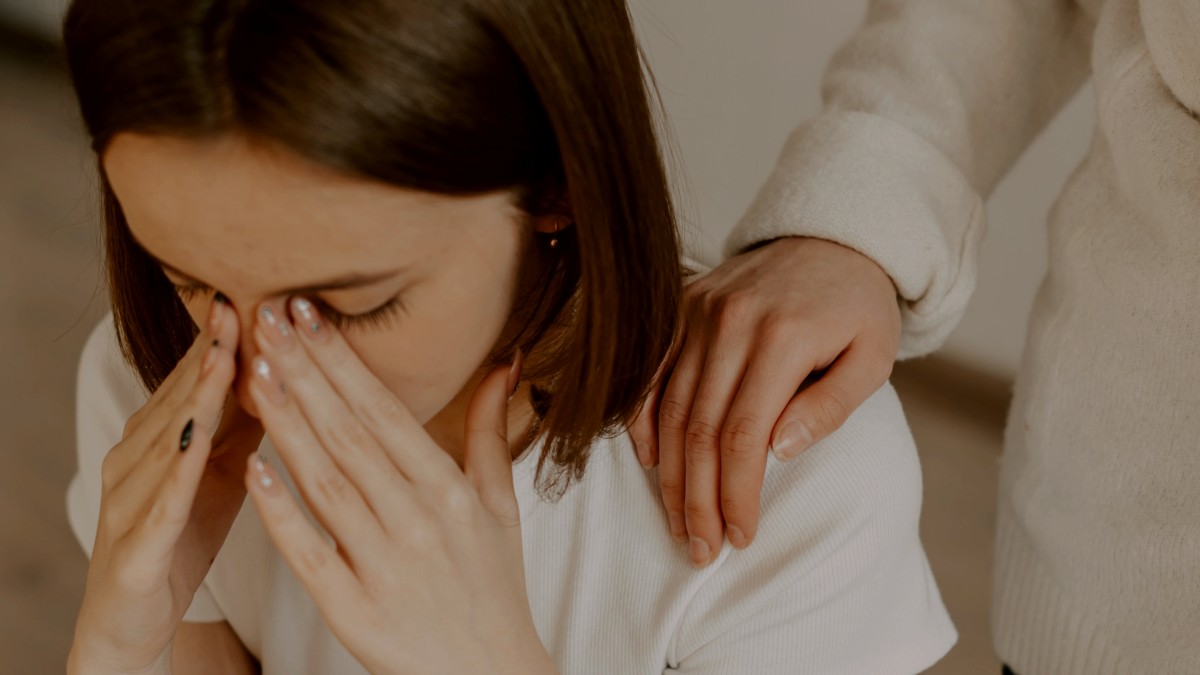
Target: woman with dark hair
399, 270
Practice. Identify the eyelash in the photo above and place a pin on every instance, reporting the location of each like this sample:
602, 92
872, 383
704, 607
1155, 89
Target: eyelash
380, 317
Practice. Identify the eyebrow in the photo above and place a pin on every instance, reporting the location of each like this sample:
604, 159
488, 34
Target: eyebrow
337, 283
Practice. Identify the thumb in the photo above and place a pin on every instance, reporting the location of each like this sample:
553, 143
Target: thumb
822, 408
487, 460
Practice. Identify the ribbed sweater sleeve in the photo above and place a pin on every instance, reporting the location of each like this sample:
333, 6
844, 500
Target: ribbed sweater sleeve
926, 107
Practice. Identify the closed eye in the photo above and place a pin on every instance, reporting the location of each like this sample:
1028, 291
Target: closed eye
379, 318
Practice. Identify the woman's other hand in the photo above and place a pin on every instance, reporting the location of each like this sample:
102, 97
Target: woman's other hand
779, 346
425, 572
170, 492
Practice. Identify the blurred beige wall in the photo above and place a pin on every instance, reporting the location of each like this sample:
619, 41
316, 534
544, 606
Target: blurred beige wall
39, 16
737, 75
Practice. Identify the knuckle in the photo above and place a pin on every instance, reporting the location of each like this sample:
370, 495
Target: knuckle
385, 411
110, 473
883, 364
702, 300
832, 408
672, 488
112, 518
348, 434
421, 535
702, 435
313, 561
131, 424
672, 414
733, 309
160, 514
781, 328
695, 511
333, 488
743, 436
457, 500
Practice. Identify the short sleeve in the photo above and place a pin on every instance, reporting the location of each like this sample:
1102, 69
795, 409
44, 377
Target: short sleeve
836, 581
107, 393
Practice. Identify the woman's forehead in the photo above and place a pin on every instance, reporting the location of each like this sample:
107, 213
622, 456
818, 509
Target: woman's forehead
185, 198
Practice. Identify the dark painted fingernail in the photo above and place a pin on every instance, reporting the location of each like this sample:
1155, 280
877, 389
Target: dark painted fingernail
220, 297
185, 439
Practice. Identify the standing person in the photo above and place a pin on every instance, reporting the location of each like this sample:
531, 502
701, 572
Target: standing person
927, 106
396, 237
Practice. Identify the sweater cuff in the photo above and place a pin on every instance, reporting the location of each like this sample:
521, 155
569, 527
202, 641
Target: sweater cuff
868, 183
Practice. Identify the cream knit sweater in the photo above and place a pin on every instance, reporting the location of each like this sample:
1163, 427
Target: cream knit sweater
928, 105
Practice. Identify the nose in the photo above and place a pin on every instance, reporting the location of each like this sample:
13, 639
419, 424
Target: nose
247, 350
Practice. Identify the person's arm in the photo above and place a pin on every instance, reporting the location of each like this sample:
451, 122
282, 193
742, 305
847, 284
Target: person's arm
926, 107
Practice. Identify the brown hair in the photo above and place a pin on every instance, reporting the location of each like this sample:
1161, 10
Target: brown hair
456, 97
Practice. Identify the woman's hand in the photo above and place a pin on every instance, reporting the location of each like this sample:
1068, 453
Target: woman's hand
164, 513
780, 345
426, 574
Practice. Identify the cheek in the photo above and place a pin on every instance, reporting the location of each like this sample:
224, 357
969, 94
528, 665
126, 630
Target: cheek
437, 349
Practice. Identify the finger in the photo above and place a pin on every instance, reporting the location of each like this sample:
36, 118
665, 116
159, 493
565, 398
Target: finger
135, 454
823, 407
343, 446
184, 448
334, 586
387, 419
723, 370
643, 429
488, 459
673, 412
774, 374
334, 500
149, 421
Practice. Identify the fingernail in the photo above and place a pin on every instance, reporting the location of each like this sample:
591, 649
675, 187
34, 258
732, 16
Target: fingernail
678, 529
269, 382
210, 357
185, 439
310, 319
514, 373
261, 472
699, 552
735, 536
643, 453
276, 328
791, 441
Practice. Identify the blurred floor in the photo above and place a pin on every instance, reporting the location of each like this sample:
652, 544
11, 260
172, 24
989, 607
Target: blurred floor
51, 291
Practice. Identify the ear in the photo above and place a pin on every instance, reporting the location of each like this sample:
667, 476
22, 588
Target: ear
552, 223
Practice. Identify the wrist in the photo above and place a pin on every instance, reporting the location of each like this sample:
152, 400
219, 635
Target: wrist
532, 659
79, 662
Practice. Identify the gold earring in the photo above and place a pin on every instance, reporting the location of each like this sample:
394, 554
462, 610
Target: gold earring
554, 236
